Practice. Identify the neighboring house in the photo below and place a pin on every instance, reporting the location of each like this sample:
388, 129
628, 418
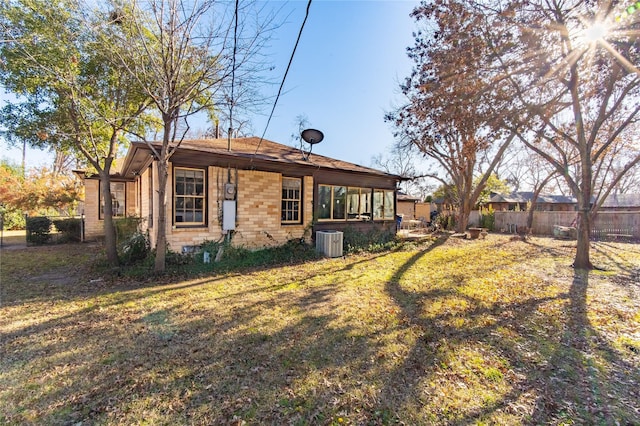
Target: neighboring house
520, 200
263, 193
407, 205
622, 202
412, 208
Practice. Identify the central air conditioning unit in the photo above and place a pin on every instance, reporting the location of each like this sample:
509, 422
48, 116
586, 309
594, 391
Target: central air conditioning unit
329, 243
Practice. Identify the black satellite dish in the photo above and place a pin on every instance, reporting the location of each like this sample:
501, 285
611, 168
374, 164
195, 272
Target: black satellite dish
312, 137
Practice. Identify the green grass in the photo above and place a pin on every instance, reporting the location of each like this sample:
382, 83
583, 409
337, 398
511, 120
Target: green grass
492, 331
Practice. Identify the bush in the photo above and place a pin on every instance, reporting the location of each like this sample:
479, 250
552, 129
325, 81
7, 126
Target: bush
372, 241
445, 221
210, 247
293, 251
70, 229
14, 219
238, 257
488, 218
127, 227
135, 249
38, 230
173, 258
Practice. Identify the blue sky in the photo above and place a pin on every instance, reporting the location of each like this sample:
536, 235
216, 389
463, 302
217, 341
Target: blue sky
344, 76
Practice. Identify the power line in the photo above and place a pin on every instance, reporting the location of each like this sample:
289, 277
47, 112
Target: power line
233, 77
283, 80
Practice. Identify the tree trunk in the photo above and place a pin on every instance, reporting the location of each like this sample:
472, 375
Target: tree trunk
110, 241
582, 259
161, 230
462, 219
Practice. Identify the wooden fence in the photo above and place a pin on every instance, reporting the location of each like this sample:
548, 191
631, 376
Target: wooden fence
605, 225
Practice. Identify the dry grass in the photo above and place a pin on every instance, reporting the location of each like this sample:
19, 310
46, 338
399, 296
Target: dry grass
488, 331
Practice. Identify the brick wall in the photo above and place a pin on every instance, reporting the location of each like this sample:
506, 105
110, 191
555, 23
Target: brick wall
93, 227
258, 210
259, 197
178, 237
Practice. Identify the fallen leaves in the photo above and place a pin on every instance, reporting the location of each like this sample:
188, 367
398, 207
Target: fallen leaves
468, 332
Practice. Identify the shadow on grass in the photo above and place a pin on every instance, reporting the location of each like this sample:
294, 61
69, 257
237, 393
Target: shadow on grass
289, 357
212, 369
577, 377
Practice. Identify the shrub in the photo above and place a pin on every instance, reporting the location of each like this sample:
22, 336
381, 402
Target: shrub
135, 249
451, 222
488, 218
239, 257
293, 251
210, 247
127, 227
14, 219
70, 228
38, 230
373, 240
445, 221
173, 258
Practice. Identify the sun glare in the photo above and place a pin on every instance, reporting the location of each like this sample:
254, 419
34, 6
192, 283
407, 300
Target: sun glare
596, 32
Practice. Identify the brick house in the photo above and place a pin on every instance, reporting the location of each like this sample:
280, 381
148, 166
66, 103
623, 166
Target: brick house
263, 193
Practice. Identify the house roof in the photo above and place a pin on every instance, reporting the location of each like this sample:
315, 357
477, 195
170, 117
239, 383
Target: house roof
526, 196
401, 196
250, 152
622, 200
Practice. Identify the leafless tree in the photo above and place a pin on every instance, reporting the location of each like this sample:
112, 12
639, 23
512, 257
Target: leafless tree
193, 56
569, 71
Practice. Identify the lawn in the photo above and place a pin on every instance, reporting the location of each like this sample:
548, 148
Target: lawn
450, 331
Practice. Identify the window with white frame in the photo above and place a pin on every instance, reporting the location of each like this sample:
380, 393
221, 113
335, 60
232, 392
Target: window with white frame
189, 196
118, 199
291, 210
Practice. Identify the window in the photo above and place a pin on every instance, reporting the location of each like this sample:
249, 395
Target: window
189, 196
118, 191
291, 200
332, 202
341, 202
383, 205
359, 203
324, 202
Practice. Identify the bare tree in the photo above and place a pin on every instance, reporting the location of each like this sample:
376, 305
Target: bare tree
193, 54
568, 70
561, 75
401, 161
301, 122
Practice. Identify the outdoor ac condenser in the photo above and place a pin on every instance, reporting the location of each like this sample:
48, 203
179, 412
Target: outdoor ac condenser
329, 243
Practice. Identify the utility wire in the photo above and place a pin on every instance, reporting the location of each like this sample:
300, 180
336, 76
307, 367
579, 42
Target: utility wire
233, 77
283, 79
